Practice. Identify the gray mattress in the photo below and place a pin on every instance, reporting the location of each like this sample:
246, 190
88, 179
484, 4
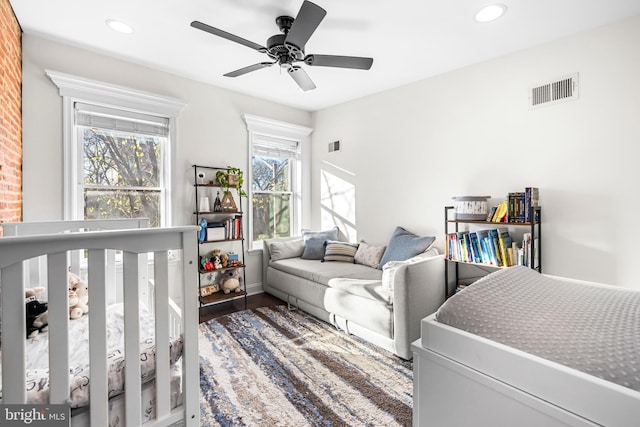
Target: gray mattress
593, 329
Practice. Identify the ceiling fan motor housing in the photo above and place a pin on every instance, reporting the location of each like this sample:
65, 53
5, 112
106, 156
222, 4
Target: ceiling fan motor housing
282, 53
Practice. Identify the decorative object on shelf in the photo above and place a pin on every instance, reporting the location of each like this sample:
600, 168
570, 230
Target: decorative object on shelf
228, 204
202, 234
471, 208
232, 177
208, 290
206, 264
231, 281
201, 176
215, 258
204, 204
217, 204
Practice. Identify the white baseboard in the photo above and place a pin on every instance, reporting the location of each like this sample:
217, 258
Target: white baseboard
254, 288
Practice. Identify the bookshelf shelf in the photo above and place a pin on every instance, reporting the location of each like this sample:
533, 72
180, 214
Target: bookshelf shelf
229, 228
458, 228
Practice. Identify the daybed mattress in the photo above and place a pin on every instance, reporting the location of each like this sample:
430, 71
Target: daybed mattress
576, 346
323, 272
37, 363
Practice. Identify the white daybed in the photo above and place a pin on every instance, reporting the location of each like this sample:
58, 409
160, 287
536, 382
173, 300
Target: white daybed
554, 352
149, 276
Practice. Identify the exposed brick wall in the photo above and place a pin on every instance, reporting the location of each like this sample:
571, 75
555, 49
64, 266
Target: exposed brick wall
10, 115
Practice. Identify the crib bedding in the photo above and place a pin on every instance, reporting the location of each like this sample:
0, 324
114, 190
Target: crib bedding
37, 376
593, 329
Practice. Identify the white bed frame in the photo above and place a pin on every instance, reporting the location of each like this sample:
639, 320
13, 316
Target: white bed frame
55, 246
461, 379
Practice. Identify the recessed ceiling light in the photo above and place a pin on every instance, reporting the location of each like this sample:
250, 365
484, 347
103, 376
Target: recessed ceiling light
119, 26
491, 12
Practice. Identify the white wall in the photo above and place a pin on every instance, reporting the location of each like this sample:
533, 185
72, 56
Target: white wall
210, 130
407, 151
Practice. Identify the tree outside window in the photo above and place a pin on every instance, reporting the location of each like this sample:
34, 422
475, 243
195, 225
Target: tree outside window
122, 175
271, 197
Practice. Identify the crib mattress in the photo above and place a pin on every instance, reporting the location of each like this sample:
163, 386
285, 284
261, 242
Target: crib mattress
37, 376
590, 397
593, 329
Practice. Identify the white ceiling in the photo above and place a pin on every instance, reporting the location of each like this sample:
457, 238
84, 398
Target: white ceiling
409, 39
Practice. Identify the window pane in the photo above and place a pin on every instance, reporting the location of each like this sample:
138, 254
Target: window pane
110, 204
121, 159
271, 215
271, 174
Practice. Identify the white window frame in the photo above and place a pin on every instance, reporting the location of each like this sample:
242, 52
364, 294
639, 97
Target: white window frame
259, 128
74, 89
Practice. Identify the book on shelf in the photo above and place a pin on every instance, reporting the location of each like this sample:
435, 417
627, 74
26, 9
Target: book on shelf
531, 199
501, 212
504, 243
494, 247
476, 250
515, 207
483, 236
529, 256
491, 213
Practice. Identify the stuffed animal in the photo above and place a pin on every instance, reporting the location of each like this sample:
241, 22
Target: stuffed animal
36, 311
81, 290
224, 260
231, 281
215, 259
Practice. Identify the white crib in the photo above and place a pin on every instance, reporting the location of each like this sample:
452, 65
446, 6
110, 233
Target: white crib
156, 270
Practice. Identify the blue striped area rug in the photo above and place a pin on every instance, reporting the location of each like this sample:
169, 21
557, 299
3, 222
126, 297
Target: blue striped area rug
275, 367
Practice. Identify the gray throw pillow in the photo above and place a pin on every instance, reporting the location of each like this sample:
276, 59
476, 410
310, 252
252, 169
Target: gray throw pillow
404, 245
287, 249
369, 255
314, 242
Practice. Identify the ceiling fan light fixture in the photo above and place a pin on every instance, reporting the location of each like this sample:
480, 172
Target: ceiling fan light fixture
119, 26
491, 12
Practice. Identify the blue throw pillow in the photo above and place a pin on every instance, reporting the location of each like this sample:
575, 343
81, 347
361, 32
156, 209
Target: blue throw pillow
314, 242
404, 245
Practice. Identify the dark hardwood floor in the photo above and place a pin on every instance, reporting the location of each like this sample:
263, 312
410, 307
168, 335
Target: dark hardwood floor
253, 301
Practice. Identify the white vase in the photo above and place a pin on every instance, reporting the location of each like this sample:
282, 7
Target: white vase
204, 204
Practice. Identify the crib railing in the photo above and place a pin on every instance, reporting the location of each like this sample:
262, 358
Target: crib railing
134, 244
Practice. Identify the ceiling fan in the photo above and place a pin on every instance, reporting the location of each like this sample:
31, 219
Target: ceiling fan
287, 49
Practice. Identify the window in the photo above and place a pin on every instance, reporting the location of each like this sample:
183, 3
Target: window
274, 166
118, 146
122, 163
276, 180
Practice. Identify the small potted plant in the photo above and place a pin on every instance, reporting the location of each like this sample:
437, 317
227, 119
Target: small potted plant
231, 177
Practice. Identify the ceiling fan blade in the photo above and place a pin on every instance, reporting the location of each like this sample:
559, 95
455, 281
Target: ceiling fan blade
356, 62
302, 78
249, 69
220, 33
308, 19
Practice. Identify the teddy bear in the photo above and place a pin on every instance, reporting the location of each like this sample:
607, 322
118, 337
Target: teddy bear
78, 287
36, 311
230, 281
224, 260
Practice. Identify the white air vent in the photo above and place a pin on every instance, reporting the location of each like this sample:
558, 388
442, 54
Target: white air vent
334, 146
561, 90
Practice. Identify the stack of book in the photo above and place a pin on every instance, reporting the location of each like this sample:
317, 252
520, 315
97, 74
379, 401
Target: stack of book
233, 228
493, 246
516, 207
228, 229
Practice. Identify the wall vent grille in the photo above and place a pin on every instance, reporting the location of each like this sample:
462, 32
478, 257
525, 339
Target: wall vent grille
561, 90
334, 146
